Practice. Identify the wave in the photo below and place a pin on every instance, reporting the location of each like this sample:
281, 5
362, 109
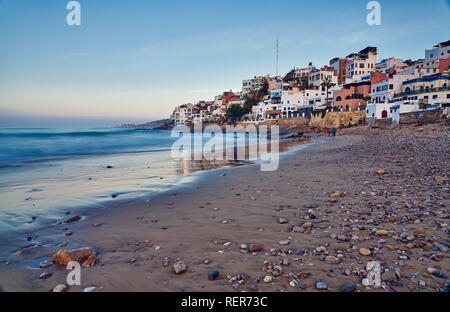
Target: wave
48, 133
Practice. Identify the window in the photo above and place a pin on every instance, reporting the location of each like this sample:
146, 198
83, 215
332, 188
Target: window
435, 97
391, 86
448, 95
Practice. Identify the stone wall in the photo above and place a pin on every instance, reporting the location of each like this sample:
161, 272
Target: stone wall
338, 119
373, 122
421, 117
284, 124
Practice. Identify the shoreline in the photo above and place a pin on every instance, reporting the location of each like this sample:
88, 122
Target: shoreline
204, 226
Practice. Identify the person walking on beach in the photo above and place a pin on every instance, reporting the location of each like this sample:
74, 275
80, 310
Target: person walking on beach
334, 131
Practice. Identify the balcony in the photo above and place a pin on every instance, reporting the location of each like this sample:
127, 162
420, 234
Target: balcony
420, 91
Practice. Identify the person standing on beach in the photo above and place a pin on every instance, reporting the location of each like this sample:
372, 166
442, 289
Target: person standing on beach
334, 131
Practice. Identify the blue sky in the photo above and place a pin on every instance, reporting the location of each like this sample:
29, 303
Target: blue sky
136, 60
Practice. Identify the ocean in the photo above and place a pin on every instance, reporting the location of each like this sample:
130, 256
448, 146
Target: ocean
45, 172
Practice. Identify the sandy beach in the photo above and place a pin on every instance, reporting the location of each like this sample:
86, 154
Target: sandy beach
313, 225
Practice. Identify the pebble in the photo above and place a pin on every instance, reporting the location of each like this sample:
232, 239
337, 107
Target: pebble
89, 289
321, 285
284, 242
332, 260
179, 267
365, 252
348, 288
255, 247
213, 275
60, 288
268, 279
45, 275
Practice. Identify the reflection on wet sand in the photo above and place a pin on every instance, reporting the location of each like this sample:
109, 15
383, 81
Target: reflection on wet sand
188, 166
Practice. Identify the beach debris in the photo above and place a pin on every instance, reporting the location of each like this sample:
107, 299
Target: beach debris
282, 220
89, 289
284, 242
86, 256
268, 279
60, 288
179, 267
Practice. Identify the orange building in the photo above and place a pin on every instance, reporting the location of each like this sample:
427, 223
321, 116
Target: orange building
444, 64
354, 95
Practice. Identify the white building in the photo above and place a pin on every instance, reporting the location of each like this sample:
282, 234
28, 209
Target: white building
182, 114
386, 110
360, 63
385, 65
318, 76
440, 50
384, 91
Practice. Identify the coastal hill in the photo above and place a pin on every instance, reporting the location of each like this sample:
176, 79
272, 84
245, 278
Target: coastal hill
163, 124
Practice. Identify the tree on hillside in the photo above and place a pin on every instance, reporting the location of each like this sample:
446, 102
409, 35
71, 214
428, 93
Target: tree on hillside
253, 98
235, 112
305, 83
327, 83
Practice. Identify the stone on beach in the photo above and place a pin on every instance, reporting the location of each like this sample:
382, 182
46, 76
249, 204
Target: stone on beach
79, 255
73, 219
321, 285
335, 195
45, 275
60, 288
365, 252
332, 260
255, 247
213, 275
179, 267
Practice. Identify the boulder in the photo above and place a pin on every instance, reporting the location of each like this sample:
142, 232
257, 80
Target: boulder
79, 255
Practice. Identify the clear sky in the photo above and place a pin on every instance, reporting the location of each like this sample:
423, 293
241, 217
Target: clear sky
135, 60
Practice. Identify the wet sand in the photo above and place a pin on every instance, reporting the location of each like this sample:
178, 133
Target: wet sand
204, 224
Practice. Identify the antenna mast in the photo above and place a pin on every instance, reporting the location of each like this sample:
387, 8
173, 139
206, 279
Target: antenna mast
277, 61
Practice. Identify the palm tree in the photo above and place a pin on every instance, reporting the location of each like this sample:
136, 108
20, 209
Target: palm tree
327, 83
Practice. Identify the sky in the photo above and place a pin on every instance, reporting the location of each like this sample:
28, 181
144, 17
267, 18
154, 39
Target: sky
135, 60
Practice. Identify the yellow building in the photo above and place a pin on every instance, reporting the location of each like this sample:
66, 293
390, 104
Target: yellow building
432, 89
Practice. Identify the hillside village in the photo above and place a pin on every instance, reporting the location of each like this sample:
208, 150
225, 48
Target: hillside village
382, 89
